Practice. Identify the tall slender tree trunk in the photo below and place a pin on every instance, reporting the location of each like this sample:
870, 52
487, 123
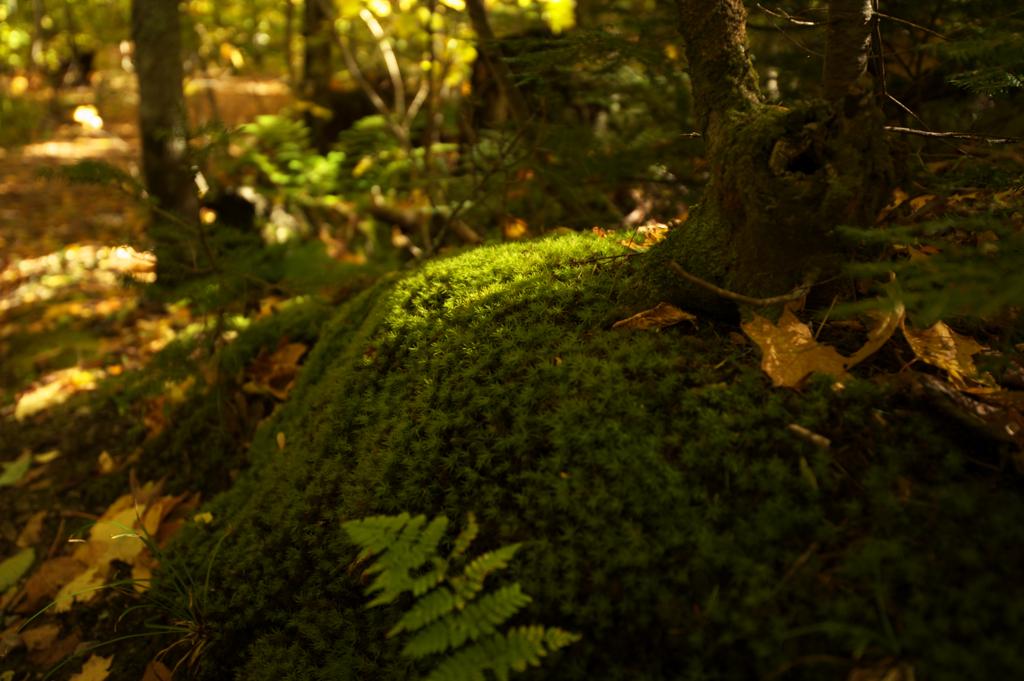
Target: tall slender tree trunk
316, 76
162, 121
495, 62
38, 36
782, 179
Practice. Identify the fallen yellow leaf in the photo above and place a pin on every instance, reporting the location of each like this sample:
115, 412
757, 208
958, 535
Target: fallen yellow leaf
96, 668
660, 316
942, 347
38, 638
790, 352
33, 529
884, 324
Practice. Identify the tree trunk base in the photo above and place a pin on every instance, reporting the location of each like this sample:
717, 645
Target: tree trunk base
781, 181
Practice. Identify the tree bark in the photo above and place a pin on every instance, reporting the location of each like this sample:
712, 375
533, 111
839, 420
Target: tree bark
781, 179
317, 72
162, 122
847, 41
495, 62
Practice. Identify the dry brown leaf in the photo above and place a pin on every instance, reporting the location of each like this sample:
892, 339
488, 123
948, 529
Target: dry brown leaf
47, 581
1011, 399
33, 529
268, 306
660, 316
275, 373
789, 350
51, 655
81, 589
9, 637
156, 671
898, 197
884, 324
38, 638
942, 347
105, 464
41, 398
515, 228
96, 668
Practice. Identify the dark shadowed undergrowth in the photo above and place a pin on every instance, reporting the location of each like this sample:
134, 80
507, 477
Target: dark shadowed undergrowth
661, 503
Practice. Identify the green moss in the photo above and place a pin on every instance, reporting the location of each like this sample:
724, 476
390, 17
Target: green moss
649, 475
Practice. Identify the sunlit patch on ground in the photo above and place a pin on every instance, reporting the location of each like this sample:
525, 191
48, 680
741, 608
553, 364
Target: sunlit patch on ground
49, 306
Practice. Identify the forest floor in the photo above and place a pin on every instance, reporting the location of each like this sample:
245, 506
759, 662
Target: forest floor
71, 324
73, 450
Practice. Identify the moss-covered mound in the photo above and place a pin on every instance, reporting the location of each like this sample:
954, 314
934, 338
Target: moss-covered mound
663, 506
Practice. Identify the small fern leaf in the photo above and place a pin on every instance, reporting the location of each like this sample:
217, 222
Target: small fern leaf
474, 621
428, 609
402, 546
465, 538
377, 533
472, 579
468, 664
502, 654
556, 638
426, 582
525, 646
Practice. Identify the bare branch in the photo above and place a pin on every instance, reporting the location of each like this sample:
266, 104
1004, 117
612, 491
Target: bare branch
417, 102
795, 294
955, 135
781, 14
389, 58
912, 25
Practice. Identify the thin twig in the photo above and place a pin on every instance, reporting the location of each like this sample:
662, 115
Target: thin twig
795, 294
908, 23
822, 325
954, 135
389, 57
876, 40
788, 37
783, 15
606, 257
907, 109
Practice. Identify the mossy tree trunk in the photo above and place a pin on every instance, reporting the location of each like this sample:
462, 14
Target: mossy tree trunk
782, 179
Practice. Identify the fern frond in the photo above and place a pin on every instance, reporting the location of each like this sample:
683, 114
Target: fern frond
402, 548
448, 617
430, 608
472, 622
472, 579
465, 538
502, 654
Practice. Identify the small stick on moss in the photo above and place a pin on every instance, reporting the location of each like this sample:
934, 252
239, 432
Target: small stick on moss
822, 325
795, 294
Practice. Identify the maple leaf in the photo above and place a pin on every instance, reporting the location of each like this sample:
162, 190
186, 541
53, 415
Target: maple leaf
942, 347
790, 352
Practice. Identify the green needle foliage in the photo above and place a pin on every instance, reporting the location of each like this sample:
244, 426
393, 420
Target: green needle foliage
447, 613
962, 280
